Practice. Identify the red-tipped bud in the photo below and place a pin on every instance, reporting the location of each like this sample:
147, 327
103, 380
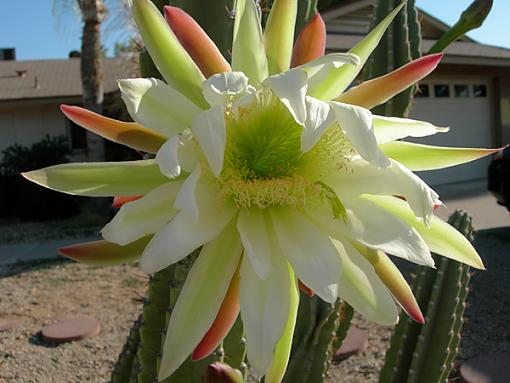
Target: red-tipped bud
311, 42
304, 288
379, 90
195, 41
222, 373
127, 133
118, 201
224, 321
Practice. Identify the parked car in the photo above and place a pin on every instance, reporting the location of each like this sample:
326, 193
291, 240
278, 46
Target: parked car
499, 177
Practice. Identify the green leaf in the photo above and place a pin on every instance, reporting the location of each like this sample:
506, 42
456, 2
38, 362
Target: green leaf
100, 179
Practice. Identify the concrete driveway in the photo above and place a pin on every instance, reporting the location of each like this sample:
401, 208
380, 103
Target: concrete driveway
475, 199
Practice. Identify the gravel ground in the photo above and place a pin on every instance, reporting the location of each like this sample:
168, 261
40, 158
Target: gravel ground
41, 294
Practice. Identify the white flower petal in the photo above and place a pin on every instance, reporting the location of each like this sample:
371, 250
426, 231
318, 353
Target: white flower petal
186, 197
356, 122
319, 116
221, 88
253, 228
309, 251
145, 216
200, 298
373, 227
365, 178
189, 152
376, 228
388, 129
182, 235
157, 106
362, 288
290, 87
210, 132
264, 310
167, 157
323, 64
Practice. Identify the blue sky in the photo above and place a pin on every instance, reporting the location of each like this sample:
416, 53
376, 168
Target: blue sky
30, 27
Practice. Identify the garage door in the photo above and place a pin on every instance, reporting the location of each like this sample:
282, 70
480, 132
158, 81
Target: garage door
464, 105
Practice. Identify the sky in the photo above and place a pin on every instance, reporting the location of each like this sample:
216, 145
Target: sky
36, 33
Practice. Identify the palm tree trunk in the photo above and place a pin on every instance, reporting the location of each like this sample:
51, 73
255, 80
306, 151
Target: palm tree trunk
93, 13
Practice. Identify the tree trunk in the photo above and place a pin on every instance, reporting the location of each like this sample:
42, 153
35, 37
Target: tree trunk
93, 13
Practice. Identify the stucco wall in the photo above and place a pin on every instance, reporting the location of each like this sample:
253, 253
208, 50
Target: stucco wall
29, 124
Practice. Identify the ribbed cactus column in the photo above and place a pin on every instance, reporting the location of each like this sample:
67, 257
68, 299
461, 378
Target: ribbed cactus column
400, 44
320, 330
425, 354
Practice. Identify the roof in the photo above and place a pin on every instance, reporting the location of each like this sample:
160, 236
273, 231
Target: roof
463, 52
431, 26
55, 78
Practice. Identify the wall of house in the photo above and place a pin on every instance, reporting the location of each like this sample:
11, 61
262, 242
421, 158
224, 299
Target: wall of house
28, 124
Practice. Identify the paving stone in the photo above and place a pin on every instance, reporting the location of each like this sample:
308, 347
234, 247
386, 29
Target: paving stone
9, 325
493, 368
355, 342
72, 329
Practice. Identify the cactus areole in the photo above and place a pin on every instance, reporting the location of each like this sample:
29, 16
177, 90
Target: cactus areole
278, 173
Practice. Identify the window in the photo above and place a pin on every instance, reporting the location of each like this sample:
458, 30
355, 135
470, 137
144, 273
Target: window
441, 90
423, 91
461, 91
479, 90
78, 136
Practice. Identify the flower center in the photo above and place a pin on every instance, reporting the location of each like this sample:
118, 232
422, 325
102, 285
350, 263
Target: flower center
264, 165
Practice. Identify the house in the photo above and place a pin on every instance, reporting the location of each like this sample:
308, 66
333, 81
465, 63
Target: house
469, 91
32, 91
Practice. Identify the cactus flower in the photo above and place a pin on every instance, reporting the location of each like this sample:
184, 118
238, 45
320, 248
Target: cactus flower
281, 177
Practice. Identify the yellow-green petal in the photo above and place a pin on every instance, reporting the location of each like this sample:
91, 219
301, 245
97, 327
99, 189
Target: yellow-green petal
172, 60
103, 253
248, 52
440, 237
339, 79
279, 35
282, 350
419, 157
100, 179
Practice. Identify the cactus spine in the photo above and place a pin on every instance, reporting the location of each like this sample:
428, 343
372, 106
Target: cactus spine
425, 354
399, 45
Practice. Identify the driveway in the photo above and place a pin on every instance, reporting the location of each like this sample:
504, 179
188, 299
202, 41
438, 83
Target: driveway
474, 198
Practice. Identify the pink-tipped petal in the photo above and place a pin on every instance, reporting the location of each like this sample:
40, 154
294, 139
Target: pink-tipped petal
224, 321
390, 275
304, 288
105, 253
118, 201
195, 41
130, 134
310, 43
379, 90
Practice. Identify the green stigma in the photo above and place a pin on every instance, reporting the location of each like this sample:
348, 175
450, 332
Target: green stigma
264, 165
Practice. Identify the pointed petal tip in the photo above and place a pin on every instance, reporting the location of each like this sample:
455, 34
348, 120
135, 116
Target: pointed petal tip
310, 43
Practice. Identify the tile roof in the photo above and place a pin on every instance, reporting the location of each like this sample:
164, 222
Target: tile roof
341, 42
55, 78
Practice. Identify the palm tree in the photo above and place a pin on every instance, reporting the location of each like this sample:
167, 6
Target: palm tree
93, 12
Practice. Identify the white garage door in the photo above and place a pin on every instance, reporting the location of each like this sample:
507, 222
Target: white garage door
464, 105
